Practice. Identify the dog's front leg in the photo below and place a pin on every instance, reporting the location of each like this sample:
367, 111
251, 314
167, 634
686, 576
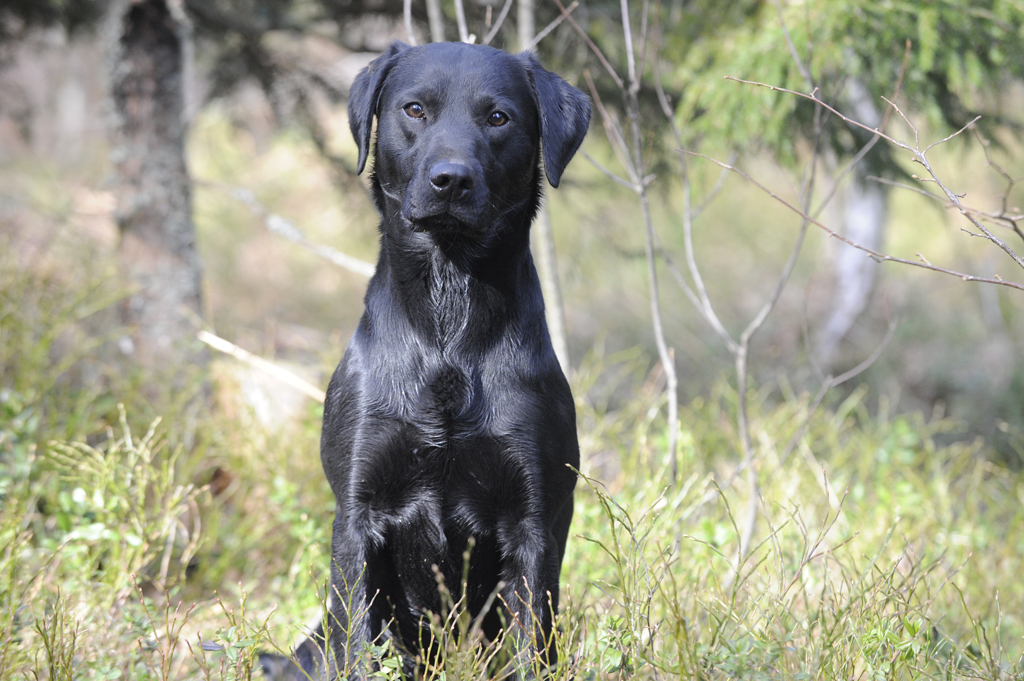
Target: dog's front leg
352, 621
530, 594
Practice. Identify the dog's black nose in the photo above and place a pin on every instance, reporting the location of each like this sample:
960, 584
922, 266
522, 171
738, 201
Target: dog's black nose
450, 180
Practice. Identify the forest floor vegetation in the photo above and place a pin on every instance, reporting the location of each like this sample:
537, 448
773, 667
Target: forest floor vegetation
142, 537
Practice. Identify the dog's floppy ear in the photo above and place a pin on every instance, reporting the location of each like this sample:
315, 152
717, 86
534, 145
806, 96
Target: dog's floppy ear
564, 117
362, 98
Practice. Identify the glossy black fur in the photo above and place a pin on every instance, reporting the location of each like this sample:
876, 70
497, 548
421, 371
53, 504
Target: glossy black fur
448, 416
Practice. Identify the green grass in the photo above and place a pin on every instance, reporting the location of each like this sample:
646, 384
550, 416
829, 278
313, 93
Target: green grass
887, 547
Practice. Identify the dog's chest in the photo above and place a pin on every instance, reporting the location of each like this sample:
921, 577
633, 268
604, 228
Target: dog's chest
449, 301
443, 410
437, 493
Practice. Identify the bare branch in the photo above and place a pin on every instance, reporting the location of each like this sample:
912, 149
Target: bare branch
553, 25
1010, 181
919, 157
593, 48
879, 257
407, 14
944, 139
700, 299
705, 311
460, 19
612, 129
282, 227
717, 189
267, 367
644, 30
832, 382
634, 164
435, 17
698, 280
908, 187
965, 211
780, 286
874, 139
609, 174
1001, 219
1003, 214
870, 360
753, 327
497, 24
807, 192
802, 95
804, 71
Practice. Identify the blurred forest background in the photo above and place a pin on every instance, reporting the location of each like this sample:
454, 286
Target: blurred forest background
264, 88
176, 166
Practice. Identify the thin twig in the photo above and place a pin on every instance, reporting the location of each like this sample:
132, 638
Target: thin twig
269, 368
754, 326
855, 123
1003, 214
435, 18
947, 137
1002, 219
833, 382
874, 138
460, 19
497, 24
282, 227
611, 128
716, 189
607, 173
593, 47
878, 257
707, 313
920, 156
644, 15
700, 299
553, 25
908, 187
804, 71
636, 171
407, 14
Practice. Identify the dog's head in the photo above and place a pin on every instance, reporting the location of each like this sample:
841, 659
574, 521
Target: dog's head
460, 129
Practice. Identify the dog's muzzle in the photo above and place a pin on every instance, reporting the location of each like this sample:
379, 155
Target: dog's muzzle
448, 197
451, 182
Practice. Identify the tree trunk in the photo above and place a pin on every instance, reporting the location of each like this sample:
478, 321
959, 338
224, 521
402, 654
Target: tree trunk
154, 201
865, 207
865, 211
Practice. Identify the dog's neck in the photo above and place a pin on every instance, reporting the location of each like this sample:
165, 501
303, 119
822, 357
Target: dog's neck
453, 293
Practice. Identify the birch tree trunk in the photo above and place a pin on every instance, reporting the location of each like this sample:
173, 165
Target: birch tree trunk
152, 186
865, 211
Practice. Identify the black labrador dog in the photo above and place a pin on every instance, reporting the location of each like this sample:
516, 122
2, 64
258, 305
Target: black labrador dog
448, 418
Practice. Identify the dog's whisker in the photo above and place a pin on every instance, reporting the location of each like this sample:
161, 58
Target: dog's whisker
518, 205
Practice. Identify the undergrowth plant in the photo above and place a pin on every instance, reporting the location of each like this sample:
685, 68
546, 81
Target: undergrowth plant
871, 563
888, 546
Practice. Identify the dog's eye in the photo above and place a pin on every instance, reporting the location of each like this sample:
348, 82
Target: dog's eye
497, 119
414, 110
